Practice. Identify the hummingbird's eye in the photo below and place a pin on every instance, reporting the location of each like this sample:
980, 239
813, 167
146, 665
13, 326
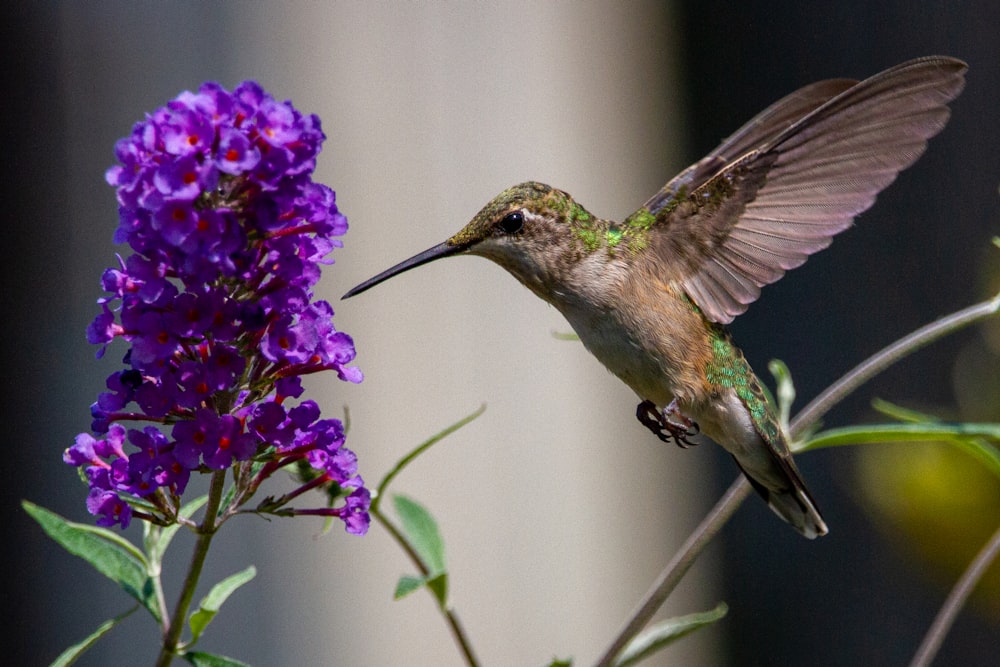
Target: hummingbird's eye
512, 222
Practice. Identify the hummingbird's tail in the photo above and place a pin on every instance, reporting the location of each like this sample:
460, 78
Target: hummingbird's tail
789, 499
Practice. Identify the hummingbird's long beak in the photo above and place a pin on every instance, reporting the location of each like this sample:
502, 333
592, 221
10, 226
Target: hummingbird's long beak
429, 255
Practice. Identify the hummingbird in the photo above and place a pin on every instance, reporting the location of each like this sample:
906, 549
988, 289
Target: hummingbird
651, 296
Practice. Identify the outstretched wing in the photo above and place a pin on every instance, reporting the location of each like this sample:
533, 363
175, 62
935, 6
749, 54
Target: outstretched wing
783, 185
757, 132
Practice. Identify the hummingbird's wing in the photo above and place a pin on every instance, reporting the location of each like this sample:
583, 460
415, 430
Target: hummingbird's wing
782, 186
755, 133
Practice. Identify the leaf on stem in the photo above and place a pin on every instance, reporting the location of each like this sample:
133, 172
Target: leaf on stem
199, 659
667, 632
785, 390
422, 533
976, 439
109, 553
73, 653
211, 603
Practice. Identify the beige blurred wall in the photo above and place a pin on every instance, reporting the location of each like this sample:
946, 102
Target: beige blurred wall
557, 508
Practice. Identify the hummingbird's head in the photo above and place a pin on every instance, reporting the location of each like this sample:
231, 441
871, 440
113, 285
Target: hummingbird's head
527, 229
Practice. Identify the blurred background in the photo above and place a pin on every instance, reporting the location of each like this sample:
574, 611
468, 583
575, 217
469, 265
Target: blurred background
557, 507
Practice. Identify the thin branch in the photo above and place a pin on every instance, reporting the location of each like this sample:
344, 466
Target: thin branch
956, 599
451, 616
888, 356
677, 568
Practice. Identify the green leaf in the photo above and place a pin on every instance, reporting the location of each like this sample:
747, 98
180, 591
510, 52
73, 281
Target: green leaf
73, 653
211, 603
899, 413
199, 659
666, 632
438, 585
785, 389
560, 663
422, 530
976, 439
407, 585
109, 553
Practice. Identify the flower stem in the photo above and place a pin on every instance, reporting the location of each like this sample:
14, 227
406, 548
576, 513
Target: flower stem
956, 599
454, 625
206, 531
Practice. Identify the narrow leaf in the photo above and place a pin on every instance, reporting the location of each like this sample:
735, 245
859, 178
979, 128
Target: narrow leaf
785, 390
899, 413
37, 511
199, 659
667, 632
422, 531
109, 553
407, 585
561, 663
976, 439
211, 603
73, 653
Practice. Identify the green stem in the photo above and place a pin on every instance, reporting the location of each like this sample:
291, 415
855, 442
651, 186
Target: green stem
955, 601
206, 531
451, 617
161, 600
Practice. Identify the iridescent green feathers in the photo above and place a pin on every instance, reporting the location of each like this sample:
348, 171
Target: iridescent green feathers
729, 369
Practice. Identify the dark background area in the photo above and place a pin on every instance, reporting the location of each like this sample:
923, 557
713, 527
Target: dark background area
921, 252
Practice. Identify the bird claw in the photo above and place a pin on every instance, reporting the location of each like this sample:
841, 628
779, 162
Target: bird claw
669, 425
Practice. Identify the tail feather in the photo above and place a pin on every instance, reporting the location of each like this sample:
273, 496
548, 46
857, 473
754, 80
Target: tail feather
793, 502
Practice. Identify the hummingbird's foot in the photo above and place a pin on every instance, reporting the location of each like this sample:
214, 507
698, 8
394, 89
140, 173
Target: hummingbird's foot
651, 418
670, 425
680, 425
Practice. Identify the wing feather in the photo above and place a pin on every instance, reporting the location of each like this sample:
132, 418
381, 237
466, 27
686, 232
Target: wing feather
758, 131
783, 185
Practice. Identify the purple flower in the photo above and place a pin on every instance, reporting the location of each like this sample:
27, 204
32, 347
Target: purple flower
110, 509
228, 233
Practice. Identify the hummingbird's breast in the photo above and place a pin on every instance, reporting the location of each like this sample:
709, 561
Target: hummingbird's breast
641, 330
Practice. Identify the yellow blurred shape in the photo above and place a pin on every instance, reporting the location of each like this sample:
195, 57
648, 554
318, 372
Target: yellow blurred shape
936, 504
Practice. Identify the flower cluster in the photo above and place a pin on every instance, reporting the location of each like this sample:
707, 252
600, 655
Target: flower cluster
228, 231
